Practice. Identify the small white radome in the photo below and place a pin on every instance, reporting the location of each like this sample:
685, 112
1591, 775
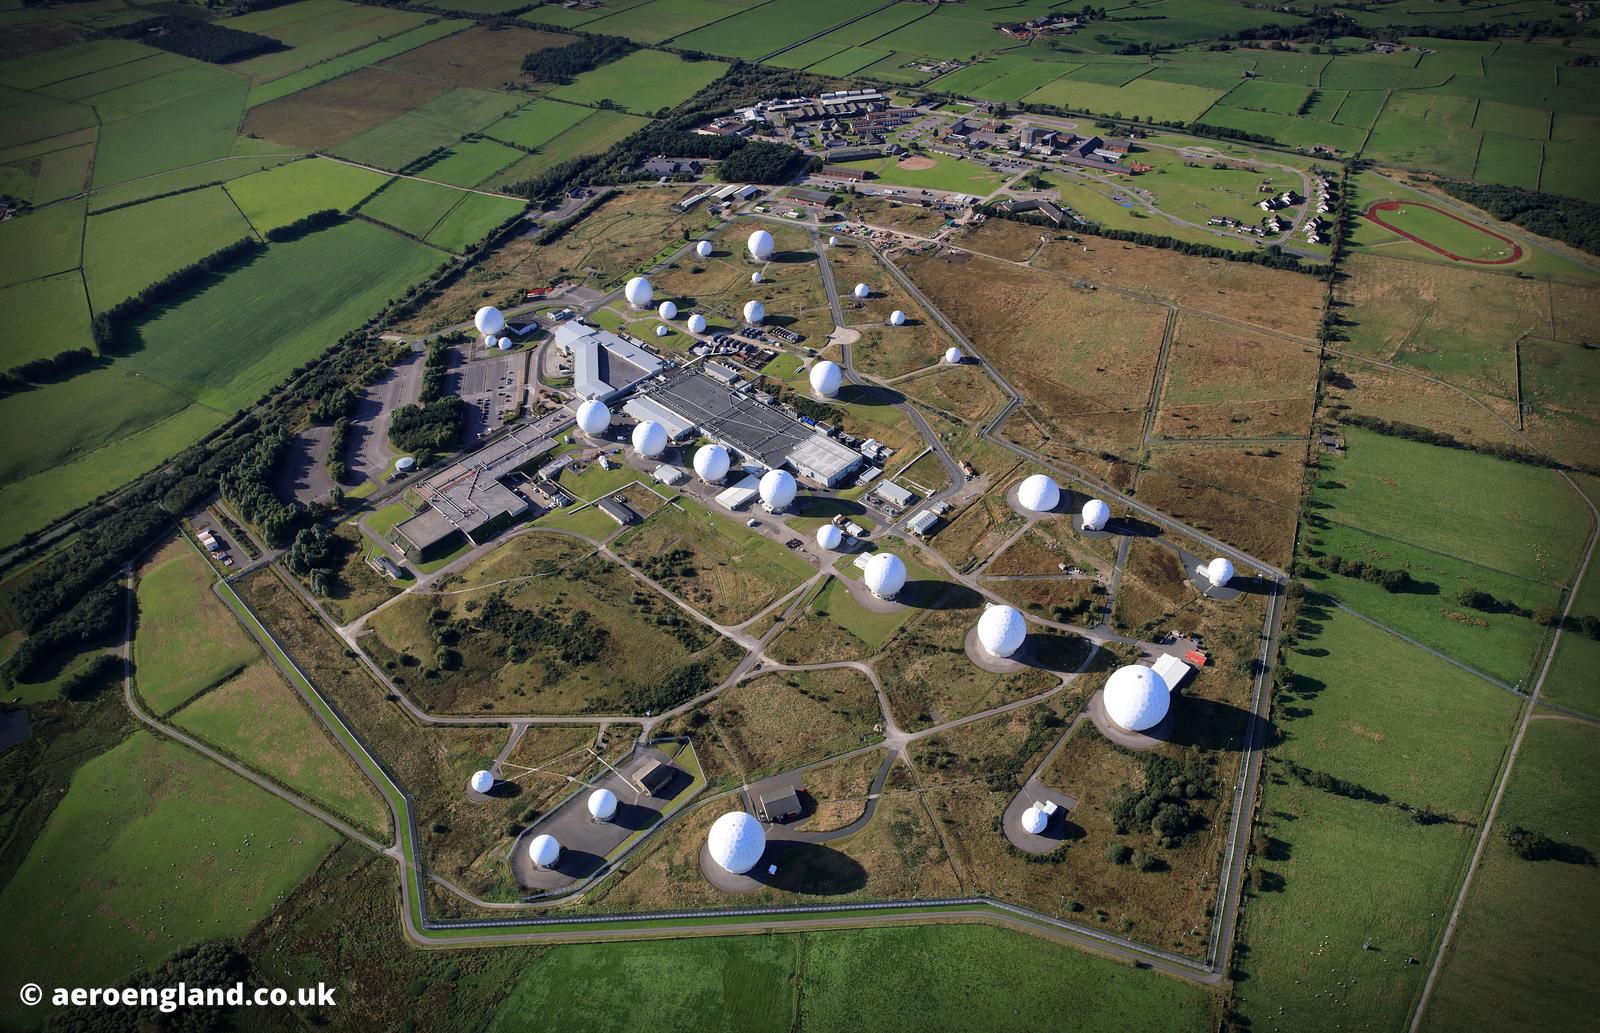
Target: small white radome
482, 781
1095, 515
638, 292
1002, 630
602, 805
697, 324
829, 536
1219, 571
1034, 819
544, 851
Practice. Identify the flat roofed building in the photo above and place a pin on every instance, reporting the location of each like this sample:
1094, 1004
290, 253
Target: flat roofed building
722, 374
468, 496
652, 776
604, 364
740, 494
730, 417
1171, 669
645, 408
894, 494
780, 804
621, 512
824, 460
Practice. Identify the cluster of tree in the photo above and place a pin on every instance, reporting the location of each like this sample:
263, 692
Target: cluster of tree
556, 231
811, 408
435, 368
560, 64
677, 562
71, 573
306, 224
1331, 783
1122, 853
91, 678
1162, 803
1229, 133
1390, 579
41, 371
1536, 846
216, 963
1428, 436
1566, 219
99, 615
434, 427
763, 162
1483, 602
1272, 257
314, 555
679, 685
247, 485
571, 636
203, 41
109, 323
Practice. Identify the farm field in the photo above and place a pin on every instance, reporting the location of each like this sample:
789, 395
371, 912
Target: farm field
1147, 98
186, 641
1457, 503
280, 196
128, 249
1387, 718
344, 64
256, 717
766, 28
1527, 922
22, 339
642, 82
156, 816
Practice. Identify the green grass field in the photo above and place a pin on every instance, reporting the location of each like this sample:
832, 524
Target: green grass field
1571, 681
952, 978
130, 248
186, 641
193, 128
766, 28
256, 717
473, 217
470, 163
1508, 516
1150, 98
42, 317
1367, 708
152, 848
278, 197
294, 82
538, 123
642, 82
41, 243
441, 122
946, 174
232, 341
1520, 951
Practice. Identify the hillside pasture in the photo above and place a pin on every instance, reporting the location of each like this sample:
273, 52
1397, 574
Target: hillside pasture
1147, 98
439, 123
41, 243
406, 42
327, 115
196, 126
1224, 381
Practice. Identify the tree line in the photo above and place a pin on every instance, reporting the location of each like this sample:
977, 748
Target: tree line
1428, 436
108, 324
1566, 219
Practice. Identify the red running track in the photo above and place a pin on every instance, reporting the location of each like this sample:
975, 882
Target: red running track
1390, 206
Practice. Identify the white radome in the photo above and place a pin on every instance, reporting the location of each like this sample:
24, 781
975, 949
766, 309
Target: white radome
667, 310
489, 340
829, 537
602, 805
1219, 571
897, 318
826, 376
489, 320
1002, 630
953, 355
833, 241
703, 249
885, 575
638, 292
760, 245
756, 277
482, 781
1095, 515
593, 417
755, 313
777, 490
649, 439
1034, 819
1136, 698
662, 331
697, 324
1038, 493
711, 463
544, 851
405, 463
736, 842
506, 344
862, 292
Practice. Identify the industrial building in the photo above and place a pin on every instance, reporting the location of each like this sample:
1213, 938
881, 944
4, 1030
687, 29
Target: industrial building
732, 418
648, 409
467, 497
604, 364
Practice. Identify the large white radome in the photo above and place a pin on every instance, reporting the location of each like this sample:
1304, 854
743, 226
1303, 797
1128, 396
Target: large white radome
593, 417
760, 245
703, 249
544, 851
952, 355
777, 490
489, 320
885, 575
697, 324
826, 378
862, 292
638, 292
829, 537
711, 463
1039, 493
736, 842
482, 781
897, 318
1219, 571
1136, 698
755, 313
649, 439
1095, 515
1034, 819
602, 805
667, 310
1002, 630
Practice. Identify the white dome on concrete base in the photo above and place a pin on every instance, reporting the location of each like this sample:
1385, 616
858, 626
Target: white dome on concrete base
885, 575
736, 842
761, 245
602, 805
829, 537
755, 313
697, 324
489, 320
777, 490
897, 318
649, 439
1136, 698
1219, 571
1038, 493
1034, 819
667, 310
953, 355
826, 376
711, 463
482, 781
544, 851
1095, 515
1002, 630
638, 292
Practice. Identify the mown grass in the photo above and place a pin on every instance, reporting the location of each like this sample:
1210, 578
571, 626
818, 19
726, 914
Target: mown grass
186, 641
128, 249
278, 197
643, 82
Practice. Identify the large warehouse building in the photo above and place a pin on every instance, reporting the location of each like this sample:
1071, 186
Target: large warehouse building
468, 496
757, 430
604, 364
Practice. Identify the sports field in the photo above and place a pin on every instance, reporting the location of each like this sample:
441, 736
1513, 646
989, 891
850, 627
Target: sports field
1444, 233
180, 852
931, 172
